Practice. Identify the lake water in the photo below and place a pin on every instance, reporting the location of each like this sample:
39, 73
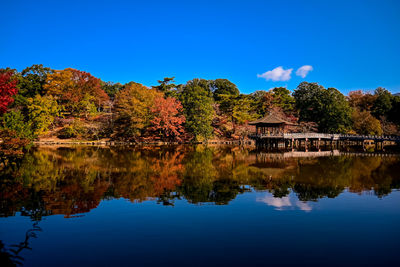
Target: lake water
199, 206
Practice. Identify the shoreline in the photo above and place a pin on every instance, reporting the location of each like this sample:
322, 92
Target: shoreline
124, 143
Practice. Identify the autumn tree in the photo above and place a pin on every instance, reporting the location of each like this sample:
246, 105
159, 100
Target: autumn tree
70, 86
41, 112
12, 145
359, 100
133, 106
8, 88
168, 120
197, 101
86, 106
15, 121
364, 123
222, 124
111, 88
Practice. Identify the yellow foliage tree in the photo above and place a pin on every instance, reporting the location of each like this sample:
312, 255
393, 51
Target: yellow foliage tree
365, 123
42, 110
133, 105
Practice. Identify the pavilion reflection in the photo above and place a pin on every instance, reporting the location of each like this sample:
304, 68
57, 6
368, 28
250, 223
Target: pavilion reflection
72, 181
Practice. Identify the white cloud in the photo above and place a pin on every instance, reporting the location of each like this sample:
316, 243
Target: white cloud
304, 70
277, 74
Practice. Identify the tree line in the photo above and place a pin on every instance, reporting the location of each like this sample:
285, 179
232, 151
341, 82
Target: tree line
73, 181
69, 103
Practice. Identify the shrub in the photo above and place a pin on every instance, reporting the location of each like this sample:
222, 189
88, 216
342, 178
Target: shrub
15, 121
74, 130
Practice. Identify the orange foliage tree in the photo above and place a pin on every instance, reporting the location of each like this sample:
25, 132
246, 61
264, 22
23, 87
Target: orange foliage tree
71, 86
363, 102
168, 120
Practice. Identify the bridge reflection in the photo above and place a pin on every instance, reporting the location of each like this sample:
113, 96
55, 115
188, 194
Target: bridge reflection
306, 140
73, 181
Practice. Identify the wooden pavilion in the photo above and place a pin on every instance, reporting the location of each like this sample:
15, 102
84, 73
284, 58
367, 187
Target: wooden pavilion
271, 125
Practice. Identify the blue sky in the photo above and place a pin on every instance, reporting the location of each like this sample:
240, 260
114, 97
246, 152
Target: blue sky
349, 44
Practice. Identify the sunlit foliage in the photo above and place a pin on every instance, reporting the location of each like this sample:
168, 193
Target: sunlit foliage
197, 101
8, 88
42, 110
133, 106
70, 86
168, 119
41, 102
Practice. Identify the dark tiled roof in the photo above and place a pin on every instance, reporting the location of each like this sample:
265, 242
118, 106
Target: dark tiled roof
270, 119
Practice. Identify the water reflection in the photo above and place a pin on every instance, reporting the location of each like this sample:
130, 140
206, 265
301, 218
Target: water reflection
285, 203
10, 255
72, 181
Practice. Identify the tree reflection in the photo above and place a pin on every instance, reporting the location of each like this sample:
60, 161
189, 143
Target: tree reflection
11, 255
71, 181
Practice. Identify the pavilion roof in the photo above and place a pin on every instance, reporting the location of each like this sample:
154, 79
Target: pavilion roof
270, 119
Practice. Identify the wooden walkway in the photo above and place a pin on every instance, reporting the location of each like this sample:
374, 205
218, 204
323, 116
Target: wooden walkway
312, 154
323, 136
296, 140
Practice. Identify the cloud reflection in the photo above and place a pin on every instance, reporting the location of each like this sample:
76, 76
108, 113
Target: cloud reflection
285, 203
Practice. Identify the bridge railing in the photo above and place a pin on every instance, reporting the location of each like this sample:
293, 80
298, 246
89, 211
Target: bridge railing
372, 137
270, 135
311, 135
298, 135
325, 136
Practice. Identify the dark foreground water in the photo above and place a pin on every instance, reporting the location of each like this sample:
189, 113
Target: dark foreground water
197, 206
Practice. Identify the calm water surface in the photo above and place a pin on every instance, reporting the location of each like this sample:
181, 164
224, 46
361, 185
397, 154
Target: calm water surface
199, 206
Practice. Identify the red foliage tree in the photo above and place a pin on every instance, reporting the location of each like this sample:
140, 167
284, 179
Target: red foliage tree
168, 120
8, 88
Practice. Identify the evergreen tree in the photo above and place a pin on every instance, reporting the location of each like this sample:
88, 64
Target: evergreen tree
221, 87
327, 107
383, 102
197, 102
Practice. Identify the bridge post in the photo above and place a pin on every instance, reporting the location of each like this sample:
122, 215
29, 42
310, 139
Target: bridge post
377, 146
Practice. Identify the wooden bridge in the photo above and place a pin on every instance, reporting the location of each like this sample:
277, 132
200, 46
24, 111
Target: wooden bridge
274, 132
296, 140
263, 156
